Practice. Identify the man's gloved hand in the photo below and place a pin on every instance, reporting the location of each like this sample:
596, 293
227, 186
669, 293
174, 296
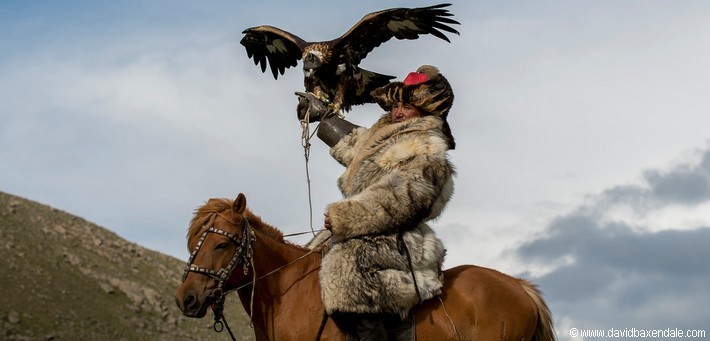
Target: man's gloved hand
316, 108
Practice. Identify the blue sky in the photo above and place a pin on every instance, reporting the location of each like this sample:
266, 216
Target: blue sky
582, 141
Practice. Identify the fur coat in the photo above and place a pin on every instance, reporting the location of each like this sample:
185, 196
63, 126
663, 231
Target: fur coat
397, 177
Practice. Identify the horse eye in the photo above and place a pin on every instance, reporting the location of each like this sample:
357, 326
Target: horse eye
221, 246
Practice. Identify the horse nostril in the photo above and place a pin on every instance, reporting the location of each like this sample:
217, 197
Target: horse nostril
186, 303
189, 300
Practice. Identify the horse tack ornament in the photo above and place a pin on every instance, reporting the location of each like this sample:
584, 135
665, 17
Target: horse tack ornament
243, 254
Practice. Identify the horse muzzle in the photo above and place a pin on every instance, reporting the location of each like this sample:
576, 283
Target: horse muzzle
193, 304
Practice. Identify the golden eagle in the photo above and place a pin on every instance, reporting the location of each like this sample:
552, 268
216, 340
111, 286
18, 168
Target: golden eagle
330, 68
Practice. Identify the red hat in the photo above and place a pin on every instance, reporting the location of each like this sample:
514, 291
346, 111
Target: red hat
415, 78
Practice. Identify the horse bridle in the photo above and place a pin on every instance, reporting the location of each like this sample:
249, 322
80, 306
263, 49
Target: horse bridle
243, 254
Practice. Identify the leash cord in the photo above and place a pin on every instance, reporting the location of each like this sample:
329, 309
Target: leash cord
449, 317
251, 299
279, 268
403, 249
306, 136
302, 233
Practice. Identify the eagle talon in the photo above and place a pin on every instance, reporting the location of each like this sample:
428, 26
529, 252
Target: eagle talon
311, 105
334, 109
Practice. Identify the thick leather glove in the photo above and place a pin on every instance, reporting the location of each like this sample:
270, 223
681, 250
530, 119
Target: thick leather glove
332, 129
316, 108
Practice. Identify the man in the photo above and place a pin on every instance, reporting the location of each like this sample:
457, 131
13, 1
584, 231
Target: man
383, 258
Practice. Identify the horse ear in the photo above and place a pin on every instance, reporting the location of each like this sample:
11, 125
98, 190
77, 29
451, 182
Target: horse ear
240, 204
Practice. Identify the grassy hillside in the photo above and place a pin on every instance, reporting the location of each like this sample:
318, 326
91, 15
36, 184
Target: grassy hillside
64, 278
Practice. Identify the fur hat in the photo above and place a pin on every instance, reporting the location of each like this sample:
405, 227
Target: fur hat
426, 89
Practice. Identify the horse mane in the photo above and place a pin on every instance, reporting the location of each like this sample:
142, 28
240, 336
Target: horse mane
213, 207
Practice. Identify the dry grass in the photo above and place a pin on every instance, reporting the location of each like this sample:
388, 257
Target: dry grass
64, 278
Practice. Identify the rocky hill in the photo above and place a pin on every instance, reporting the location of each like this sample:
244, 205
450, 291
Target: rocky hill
64, 278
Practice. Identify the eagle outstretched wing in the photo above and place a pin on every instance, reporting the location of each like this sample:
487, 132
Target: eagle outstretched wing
282, 49
331, 68
401, 23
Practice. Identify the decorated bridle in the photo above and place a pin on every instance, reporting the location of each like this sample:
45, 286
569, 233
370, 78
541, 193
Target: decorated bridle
243, 254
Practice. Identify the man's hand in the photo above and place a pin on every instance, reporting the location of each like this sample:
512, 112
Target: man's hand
310, 104
326, 221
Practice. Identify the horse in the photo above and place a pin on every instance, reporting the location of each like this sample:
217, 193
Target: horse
279, 288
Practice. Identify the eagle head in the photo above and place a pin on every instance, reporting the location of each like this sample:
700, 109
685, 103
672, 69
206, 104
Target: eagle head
311, 63
314, 56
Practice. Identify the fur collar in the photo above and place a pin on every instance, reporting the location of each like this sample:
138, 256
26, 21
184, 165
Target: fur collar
384, 127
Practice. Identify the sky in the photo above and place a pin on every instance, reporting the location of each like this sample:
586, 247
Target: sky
583, 147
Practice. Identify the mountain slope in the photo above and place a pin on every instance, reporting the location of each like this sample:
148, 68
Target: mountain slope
64, 278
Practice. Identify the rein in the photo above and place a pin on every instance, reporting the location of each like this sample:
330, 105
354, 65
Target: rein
281, 267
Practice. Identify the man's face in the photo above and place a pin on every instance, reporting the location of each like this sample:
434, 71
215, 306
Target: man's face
404, 111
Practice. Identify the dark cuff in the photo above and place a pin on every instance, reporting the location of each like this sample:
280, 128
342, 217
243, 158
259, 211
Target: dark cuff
331, 130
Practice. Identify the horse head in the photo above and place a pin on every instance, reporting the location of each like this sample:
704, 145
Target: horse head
220, 240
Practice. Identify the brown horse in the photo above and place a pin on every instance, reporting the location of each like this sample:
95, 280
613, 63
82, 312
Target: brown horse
277, 282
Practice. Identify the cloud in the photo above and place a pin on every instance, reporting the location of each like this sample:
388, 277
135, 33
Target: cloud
684, 184
610, 273
138, 140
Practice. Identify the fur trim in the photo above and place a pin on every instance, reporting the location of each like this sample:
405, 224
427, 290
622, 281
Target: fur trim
369, 275
344, 150
398, 176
